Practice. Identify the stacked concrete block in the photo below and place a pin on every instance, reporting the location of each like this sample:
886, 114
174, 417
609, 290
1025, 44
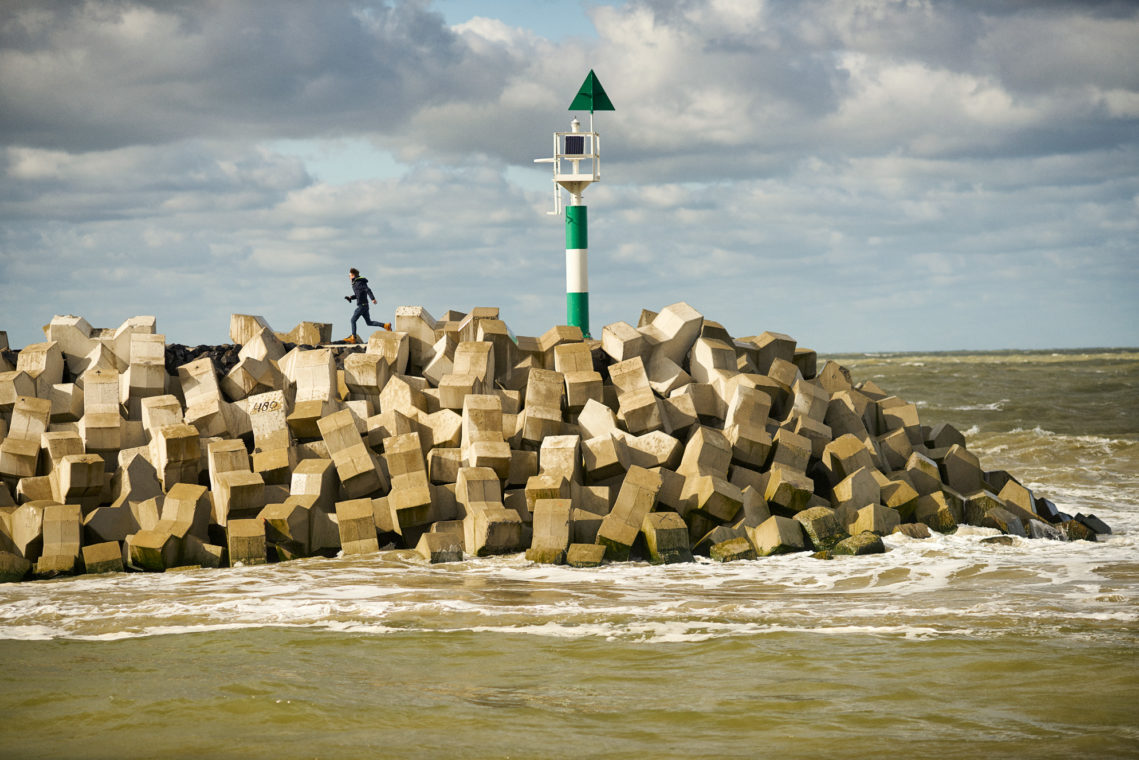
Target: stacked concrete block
635, 500
639, 408
659, 440
472, 373
43, 364
482, 443
356, 465
410, 497
552, 531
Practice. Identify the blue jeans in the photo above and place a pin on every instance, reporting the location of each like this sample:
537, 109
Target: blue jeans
362, 311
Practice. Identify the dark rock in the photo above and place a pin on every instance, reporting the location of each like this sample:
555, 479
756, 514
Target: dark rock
1001, 540
1094, 524
1047, 510
1004, 521
1040, 529
1077, 531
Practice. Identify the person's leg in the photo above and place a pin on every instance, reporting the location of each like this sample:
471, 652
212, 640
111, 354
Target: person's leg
361, 310
368, 317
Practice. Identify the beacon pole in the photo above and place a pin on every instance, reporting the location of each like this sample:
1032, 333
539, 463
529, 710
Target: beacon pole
577, 164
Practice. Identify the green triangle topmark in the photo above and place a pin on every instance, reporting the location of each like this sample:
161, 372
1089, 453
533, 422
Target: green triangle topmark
592, 96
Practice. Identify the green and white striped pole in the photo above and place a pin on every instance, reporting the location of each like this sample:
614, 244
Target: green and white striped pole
577, 266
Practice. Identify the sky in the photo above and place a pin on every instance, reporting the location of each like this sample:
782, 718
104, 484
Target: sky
863, 175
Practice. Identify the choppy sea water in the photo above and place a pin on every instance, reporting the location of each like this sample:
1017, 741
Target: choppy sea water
939, 648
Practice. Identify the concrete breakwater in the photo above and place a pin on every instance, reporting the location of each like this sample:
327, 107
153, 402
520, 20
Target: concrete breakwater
454, 437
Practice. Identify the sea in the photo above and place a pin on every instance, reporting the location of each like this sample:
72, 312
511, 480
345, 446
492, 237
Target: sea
940, 648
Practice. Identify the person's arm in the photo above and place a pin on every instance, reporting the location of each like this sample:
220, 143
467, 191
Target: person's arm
371, 294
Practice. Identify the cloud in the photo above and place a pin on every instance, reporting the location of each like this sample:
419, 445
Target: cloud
843, 172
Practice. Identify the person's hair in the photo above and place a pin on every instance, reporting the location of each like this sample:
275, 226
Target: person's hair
354, 271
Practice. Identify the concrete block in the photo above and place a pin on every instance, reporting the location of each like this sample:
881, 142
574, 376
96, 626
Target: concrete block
665, 375
924, 474
356, 465
491, 529
357, 524
55, 445
1004, 521
787, 491
79, 479
844, 456
153, 550
713, 496
545, 486
62, 532
560, 457
43, 363
30, 419
674, 330
635, 500
621, 341
585, 555
858, 489
595, 419
733, 549
707, 452
961, 470
19, 459
105, 557
245, 540
860, 544
875, 518
602, 458
771, 346
188, 506
679, 415
440, 547
66, 402
666, 537
287, 524
13, 385
655, 449
73, 334
821, 527
552, 531
13, 567
777, 535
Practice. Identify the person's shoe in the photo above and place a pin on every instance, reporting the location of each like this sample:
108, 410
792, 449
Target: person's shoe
387, 326
351, 339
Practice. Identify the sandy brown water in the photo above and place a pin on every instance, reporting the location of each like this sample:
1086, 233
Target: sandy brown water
939, 648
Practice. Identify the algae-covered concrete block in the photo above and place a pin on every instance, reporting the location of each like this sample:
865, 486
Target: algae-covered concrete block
778, 535
491, 529
732, 549
634, 501
666, 537
787, 491
13, 567
935, 511
866, 542
961, 470
821, 526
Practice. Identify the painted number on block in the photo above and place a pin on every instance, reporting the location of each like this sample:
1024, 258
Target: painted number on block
265, 406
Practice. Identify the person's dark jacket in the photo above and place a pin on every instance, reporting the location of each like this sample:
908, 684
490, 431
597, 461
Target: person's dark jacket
360, 291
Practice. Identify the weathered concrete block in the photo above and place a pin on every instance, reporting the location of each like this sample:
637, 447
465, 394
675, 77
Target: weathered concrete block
585, 555
246, 542
913, 530
287, 524
440, 547
876, 518
787, 491
492, 530
19, 459
822, 527
844, 456
707, 452
961, 470
357, 524
239, 495
43, 363
356, 465
924, 475
635, 500
712, 496
666, 537
189, 506
153, 550
732, 550
858, 489
778, 535
602, 458
552, 529
105, 557
674, 330
13, 567
860, 544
